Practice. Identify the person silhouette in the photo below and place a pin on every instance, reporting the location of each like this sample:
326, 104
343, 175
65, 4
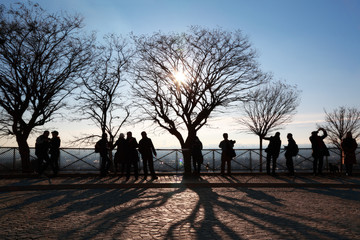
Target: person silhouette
319, 150
55, 151
120, 155
132, 155
42, 152
227, 147
104, 154
273, 151
197, 156
349, 146
146, 149
291, 150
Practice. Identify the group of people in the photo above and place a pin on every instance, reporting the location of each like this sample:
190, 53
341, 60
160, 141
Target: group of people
319, 151
126, 155
45, 146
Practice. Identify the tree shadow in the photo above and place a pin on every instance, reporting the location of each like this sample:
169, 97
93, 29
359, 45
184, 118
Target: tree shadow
219, 211
213, 214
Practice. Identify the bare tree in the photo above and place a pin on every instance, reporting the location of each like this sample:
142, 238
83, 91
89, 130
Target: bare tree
41, 56
272, 106
340, 121
181, 79
101, 99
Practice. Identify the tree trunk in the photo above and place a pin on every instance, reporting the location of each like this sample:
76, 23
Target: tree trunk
187, 160
24, 151
261, 153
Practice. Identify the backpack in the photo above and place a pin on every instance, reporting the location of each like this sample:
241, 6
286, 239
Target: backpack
98, 146
295, 150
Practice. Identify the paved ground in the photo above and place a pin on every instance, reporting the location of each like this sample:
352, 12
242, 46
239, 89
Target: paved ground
247, 206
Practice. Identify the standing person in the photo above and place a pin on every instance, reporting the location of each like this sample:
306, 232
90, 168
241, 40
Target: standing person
319, 150
273, 151
102, 146
349, 146
42, 152
197, 156
227, 147
292, 150
132, 155
120, 155
146, 149
55, 151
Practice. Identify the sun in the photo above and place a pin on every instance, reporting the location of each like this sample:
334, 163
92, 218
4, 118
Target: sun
180, 77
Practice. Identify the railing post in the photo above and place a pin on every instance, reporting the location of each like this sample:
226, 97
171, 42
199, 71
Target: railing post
213, 158
176, 161
14, 159
250, 162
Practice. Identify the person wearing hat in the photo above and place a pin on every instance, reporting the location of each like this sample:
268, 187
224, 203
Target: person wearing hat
55, 151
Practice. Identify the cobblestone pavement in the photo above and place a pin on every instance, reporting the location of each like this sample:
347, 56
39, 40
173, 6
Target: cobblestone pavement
181, 212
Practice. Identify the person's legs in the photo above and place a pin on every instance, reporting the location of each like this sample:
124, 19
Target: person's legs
229, 166
198, 167
223, 164
116, 165
315, 162
108, 164
348, 169
151, 167
268, 161
123, 166
274, 158
128, 168
44, 162
320, 166
55, 162
40, 162
145, 167
194, 165
136, 169
289, 164
102, 166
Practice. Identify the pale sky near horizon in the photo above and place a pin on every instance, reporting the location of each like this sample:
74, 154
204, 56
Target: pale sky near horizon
311, 43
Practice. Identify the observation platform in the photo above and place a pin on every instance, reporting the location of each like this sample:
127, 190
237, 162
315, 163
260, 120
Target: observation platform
240, 206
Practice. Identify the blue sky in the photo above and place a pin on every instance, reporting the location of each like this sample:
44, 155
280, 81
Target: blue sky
311, 43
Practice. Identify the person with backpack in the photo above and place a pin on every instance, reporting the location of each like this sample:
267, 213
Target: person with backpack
292, 150
227, 154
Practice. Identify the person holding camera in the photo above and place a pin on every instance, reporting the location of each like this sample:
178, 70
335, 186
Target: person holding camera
319, 150
227, 154
273, 151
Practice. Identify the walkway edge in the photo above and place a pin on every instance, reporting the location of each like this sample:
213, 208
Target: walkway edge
173, 185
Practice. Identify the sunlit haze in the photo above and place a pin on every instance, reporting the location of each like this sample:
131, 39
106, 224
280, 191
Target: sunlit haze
313, 44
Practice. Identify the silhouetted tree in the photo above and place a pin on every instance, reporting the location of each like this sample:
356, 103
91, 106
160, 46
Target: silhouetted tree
103, 97
340, 121
41, 56
181, 79
271, 107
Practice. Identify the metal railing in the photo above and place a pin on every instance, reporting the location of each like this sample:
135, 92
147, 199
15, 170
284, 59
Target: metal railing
170, 160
